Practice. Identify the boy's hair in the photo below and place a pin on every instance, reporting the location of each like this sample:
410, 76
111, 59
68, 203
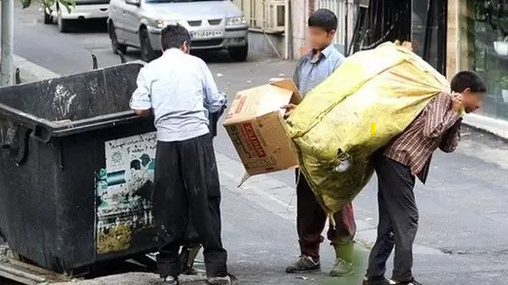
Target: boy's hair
468, 79
325, 19
174, 36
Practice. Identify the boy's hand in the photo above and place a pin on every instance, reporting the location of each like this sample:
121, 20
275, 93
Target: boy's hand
457, 102
221, 112
289, 109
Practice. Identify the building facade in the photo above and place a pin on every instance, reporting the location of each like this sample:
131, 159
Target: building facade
479, 41
269, 23
452, 35
278, 27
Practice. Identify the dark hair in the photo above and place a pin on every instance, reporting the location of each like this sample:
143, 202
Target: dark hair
468, 79
174, 36
325, 19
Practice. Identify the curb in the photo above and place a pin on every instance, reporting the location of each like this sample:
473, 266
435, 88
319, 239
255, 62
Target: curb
494, 127
30, 72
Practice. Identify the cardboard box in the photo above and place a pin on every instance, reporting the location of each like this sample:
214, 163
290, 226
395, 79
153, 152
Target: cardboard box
258, 130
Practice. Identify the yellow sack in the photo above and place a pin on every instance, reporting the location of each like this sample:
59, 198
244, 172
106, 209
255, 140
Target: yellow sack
372, 97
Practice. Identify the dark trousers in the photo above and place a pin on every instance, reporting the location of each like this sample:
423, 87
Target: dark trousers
311, 221
398, 220
187, 190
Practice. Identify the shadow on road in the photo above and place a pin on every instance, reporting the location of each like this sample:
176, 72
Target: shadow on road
117, 267
89, 26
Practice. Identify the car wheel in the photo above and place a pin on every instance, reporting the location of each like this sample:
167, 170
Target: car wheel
63, 25
147, 52
239, 53
47, 18
115, 46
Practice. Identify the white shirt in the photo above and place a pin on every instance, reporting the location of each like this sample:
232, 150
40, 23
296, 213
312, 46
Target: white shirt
180, 90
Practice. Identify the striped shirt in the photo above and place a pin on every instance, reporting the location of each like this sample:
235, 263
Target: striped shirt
437, 126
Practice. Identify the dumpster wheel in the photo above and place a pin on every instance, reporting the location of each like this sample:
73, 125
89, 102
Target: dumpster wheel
27, 273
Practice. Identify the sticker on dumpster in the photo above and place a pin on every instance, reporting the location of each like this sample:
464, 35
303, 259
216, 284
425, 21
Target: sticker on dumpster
123, 192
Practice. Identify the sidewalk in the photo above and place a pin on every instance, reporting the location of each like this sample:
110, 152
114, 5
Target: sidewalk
30, 72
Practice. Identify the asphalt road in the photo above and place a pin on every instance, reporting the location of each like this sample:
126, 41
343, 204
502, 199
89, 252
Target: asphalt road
463, 207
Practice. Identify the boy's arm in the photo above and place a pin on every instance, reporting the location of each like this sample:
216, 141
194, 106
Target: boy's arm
141, 101
441, 116
451, 138
296, 74
214, 100
339, 62
296, 79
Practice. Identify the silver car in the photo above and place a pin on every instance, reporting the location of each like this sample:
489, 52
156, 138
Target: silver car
212, 24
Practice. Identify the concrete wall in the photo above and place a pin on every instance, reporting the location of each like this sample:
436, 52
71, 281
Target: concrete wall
273, 45
300, 14
453, 39
267, 44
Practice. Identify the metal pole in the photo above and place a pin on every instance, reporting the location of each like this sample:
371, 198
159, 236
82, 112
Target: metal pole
7, 61
287, 29
346, 28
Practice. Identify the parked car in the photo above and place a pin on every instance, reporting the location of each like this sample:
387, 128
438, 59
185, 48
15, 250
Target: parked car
82, 10
213, 25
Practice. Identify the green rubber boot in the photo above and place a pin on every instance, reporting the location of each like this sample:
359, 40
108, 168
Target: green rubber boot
343, 262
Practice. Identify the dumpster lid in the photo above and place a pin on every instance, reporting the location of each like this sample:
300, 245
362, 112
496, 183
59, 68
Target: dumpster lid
73, 104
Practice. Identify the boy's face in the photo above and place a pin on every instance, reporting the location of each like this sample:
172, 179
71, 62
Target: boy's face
472, 101
320, 38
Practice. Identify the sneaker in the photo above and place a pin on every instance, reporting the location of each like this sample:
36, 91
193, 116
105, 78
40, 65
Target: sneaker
171, 280
376, 281
304, 264
341, 268
412, 282
226, 280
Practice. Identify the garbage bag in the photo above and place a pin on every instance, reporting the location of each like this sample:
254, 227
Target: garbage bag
371, 98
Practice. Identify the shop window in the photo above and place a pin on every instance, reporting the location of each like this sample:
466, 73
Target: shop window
428, 31
484, 49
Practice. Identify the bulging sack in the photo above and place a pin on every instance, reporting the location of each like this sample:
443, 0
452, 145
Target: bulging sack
371, 98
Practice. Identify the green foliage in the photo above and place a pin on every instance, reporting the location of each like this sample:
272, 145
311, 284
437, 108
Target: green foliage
503, 83
49, 4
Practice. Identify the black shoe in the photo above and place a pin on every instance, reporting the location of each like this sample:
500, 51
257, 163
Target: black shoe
225, 280
376, 281
412, 282
171, 280
304, 264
